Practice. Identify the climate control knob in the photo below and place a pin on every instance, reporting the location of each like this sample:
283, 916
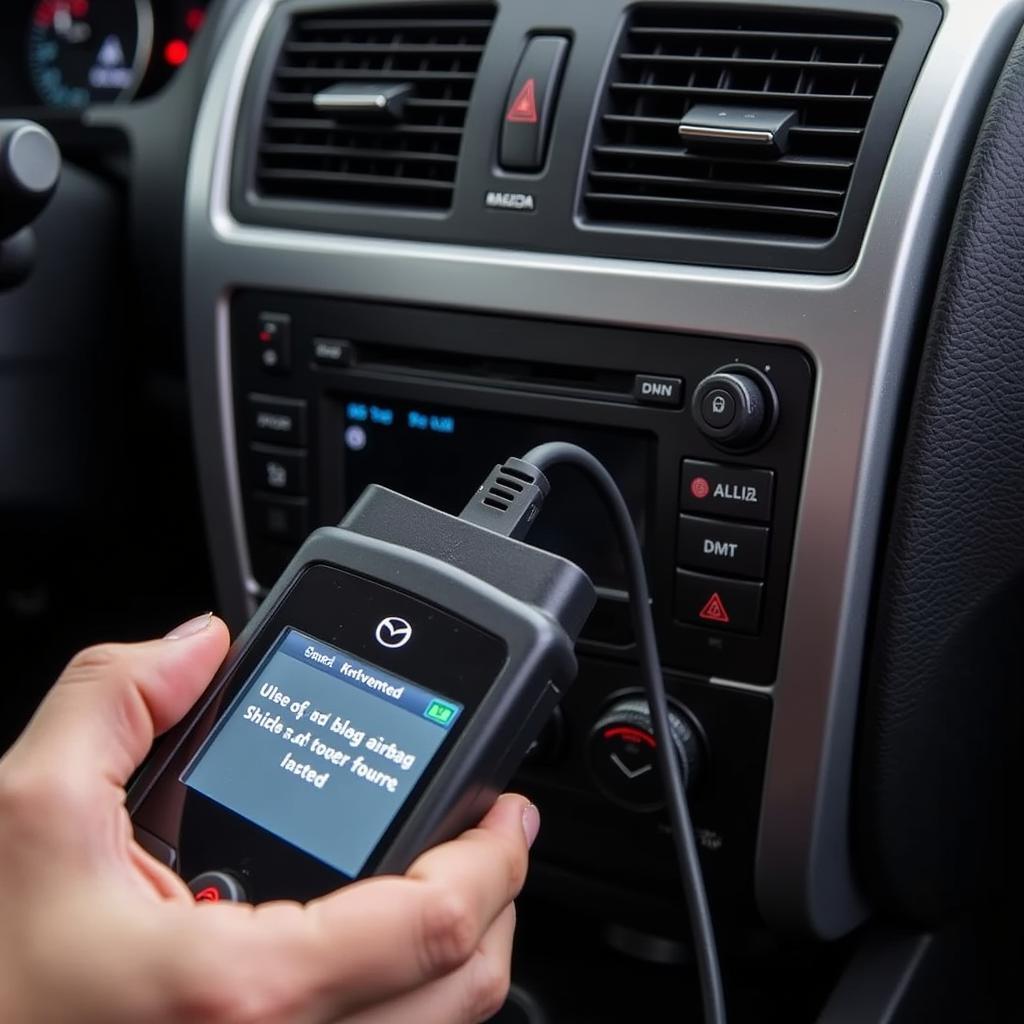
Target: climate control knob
735, 407
621, 753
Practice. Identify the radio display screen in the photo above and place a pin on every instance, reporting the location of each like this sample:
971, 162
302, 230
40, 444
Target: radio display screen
440, 456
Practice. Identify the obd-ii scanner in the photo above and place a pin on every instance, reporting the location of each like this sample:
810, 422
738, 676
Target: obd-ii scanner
386, 692
377, 704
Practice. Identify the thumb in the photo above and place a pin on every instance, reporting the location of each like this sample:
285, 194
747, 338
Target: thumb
103, 713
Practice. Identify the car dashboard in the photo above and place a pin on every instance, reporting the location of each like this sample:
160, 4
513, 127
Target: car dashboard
400, 240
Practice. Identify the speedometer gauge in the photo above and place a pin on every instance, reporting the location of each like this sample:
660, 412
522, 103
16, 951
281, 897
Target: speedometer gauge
89, 51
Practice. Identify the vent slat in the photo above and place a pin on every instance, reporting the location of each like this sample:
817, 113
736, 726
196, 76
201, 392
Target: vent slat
825, 131
305, 101
293, 149
338, 178
397, 22
369, 74
327, 125
710, 204
713, 185
725, 93
774, 36
653, 152
307, 154
826, 68
388, 49
747, 62
671, 123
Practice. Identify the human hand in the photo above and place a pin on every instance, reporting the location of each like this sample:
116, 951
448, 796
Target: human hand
93, 929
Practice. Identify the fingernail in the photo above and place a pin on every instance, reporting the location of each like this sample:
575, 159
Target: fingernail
531, 823
190, 628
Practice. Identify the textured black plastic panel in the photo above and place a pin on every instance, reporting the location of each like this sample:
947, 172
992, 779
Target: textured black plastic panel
941, 747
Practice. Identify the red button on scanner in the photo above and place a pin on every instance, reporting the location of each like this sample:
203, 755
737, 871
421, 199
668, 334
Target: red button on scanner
215, 886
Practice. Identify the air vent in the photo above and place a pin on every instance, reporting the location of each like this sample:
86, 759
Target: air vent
421, 61
824, 71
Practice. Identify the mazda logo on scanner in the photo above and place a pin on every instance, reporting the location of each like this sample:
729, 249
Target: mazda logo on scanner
393, 632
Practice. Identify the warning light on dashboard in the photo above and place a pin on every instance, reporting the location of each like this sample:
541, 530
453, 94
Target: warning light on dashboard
714, 610
194, 18
176, 52
211, 894
524, 106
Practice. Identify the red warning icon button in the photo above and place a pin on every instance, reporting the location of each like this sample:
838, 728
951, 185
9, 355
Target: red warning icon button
718, 602
530, 105
714, 610
524, 106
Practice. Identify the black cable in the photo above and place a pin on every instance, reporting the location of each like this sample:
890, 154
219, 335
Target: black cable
542, 458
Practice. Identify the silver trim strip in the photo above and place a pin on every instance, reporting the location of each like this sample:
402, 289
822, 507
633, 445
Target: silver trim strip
143, 49
761, 137
733, 684
859, 328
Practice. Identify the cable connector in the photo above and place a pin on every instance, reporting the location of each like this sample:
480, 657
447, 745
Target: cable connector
509, 500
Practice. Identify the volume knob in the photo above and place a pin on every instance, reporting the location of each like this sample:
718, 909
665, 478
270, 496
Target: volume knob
621, 753
735, 407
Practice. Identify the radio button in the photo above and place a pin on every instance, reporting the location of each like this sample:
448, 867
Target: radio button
722, 547
651, 390
735, 407
710, 489
274, 342
718, 603
278, 420
281, 518
333, 352
718, 409
278, 470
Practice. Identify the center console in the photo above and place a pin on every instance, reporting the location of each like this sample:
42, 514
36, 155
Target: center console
332, 395
408, 304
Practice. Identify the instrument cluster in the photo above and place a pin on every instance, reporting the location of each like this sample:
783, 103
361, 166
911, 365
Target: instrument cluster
66, 55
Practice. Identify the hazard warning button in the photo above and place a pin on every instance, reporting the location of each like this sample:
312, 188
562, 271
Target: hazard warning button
718, 603
530, 106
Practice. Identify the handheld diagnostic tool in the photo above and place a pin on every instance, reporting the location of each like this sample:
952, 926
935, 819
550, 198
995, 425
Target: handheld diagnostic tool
377, 704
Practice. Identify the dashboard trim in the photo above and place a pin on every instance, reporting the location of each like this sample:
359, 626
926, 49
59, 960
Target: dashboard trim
143, 54
859, 328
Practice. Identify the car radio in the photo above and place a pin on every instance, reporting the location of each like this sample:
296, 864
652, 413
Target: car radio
707, 446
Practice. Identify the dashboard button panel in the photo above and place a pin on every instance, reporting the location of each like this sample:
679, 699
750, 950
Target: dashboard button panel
731, 548
333, 352
530, 107
717, 602
278, 420
279, 470
737, 492
428, 398
650, 389
281, 519
274, 342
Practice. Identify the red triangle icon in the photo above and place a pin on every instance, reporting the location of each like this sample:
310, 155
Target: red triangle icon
524, 106
714, 610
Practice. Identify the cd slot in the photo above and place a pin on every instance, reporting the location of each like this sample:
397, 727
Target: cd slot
490, 371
